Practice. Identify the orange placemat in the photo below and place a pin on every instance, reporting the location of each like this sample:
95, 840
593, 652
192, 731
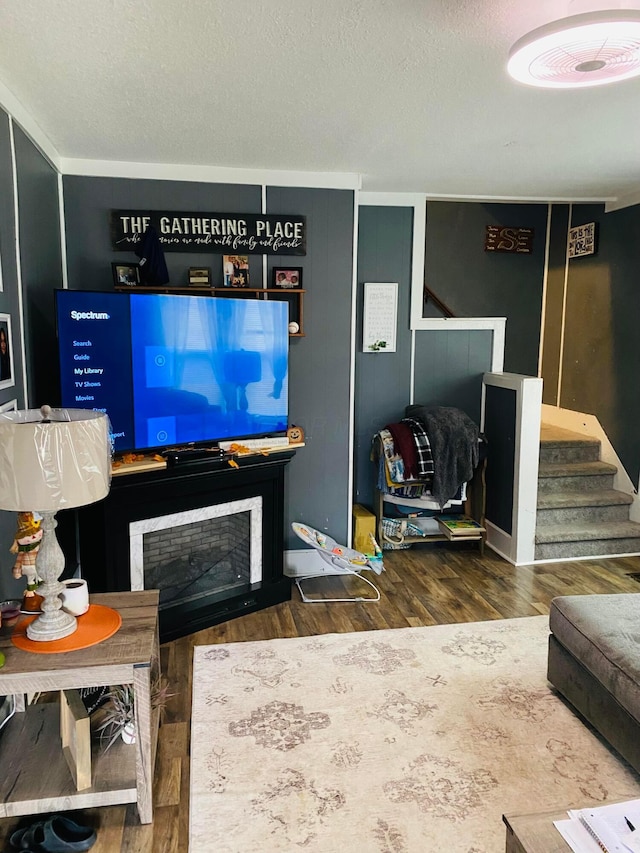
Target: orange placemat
97, 624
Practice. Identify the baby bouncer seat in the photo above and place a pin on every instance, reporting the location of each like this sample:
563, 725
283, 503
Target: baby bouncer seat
343, 560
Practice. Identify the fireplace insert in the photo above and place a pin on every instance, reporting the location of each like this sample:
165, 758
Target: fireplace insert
208, 536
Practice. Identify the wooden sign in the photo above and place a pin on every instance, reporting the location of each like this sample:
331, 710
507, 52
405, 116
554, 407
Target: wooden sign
582, 240
227, 233
509, 239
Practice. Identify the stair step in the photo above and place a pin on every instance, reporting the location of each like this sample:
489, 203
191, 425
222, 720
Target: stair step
550, 433
575, 469
597, 540
570, 498
560, 445
583, 508
588, 548
579, 513
575, 476
571, 533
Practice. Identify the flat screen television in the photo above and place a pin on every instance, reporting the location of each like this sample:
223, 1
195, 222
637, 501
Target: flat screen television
174, 370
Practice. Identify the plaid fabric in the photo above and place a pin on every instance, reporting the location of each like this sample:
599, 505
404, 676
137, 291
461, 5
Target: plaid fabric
423, 448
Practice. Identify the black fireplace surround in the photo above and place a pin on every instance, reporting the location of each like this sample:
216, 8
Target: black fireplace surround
104, 546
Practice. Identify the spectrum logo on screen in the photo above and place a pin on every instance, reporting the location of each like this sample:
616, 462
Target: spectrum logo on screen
90, 315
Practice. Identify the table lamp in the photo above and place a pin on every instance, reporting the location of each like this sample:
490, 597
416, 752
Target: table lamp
53, 459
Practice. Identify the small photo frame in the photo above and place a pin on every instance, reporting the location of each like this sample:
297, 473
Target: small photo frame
9, 406
200, 276
7, 377
126, 275
287, 277
235, 270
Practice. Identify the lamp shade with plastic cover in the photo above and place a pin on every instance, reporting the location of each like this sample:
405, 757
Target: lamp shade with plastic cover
53, 459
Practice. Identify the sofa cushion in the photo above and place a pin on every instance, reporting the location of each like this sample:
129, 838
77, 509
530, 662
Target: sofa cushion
603, 633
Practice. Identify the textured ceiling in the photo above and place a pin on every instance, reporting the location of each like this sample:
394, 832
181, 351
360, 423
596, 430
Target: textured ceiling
411, 94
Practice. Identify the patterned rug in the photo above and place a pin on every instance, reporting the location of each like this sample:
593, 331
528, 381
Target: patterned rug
413, 740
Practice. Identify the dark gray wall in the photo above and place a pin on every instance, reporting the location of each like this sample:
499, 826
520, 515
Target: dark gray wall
319, 380
9, 303
475, 283
601, 362
41, 265
89, 201
448, 364
26, 154
382, 383
317, 487
449, 368
500, 430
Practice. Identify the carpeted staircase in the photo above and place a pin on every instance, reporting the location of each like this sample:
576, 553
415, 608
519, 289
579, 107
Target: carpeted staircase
579, 512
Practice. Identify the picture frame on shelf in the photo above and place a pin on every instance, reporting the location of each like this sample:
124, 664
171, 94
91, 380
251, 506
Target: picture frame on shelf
287, 277
7, 377
235, 270
125, 275
9, 406
200, 276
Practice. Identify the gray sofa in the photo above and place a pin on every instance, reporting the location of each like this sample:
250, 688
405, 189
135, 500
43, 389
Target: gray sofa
594, 662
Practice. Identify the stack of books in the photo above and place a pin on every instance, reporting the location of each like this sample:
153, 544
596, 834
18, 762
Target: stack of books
460, 527
611, 828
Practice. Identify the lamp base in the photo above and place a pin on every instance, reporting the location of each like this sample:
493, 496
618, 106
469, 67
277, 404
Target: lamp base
54, 623
52, 626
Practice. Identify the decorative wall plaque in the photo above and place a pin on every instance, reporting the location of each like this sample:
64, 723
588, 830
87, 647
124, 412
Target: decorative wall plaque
380, 316
582, 240
182, 231
509, 239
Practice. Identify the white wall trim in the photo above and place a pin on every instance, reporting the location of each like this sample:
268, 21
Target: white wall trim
490, 199
209, 174
25, 120
412, 368
495, 324
352, 371
63, 233
563, 317
519, 547
526, 469
367, 199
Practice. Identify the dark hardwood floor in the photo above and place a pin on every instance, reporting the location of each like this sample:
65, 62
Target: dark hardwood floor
424, 586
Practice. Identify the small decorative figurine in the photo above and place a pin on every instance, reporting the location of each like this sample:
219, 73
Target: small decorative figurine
25, 545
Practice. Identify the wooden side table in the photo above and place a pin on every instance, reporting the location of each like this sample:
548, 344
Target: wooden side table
535, 833
35, 777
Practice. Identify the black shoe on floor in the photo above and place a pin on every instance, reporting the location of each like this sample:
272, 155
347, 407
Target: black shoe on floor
57, 834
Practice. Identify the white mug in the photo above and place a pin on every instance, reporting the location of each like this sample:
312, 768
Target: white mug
75, 596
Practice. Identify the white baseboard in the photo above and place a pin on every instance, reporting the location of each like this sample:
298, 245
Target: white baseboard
304, 562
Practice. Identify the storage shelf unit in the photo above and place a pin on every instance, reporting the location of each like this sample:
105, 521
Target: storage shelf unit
473, 507
294, 296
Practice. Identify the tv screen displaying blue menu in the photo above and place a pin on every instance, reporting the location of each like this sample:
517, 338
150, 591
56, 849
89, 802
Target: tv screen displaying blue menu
173, 370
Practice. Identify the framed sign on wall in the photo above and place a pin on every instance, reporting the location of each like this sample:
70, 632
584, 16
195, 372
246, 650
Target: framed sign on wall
380, 316
583, 240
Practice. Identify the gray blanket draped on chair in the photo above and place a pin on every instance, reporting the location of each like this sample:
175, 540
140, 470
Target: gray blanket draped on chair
454, 444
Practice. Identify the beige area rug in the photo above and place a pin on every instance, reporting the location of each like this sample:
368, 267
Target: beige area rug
414, 740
